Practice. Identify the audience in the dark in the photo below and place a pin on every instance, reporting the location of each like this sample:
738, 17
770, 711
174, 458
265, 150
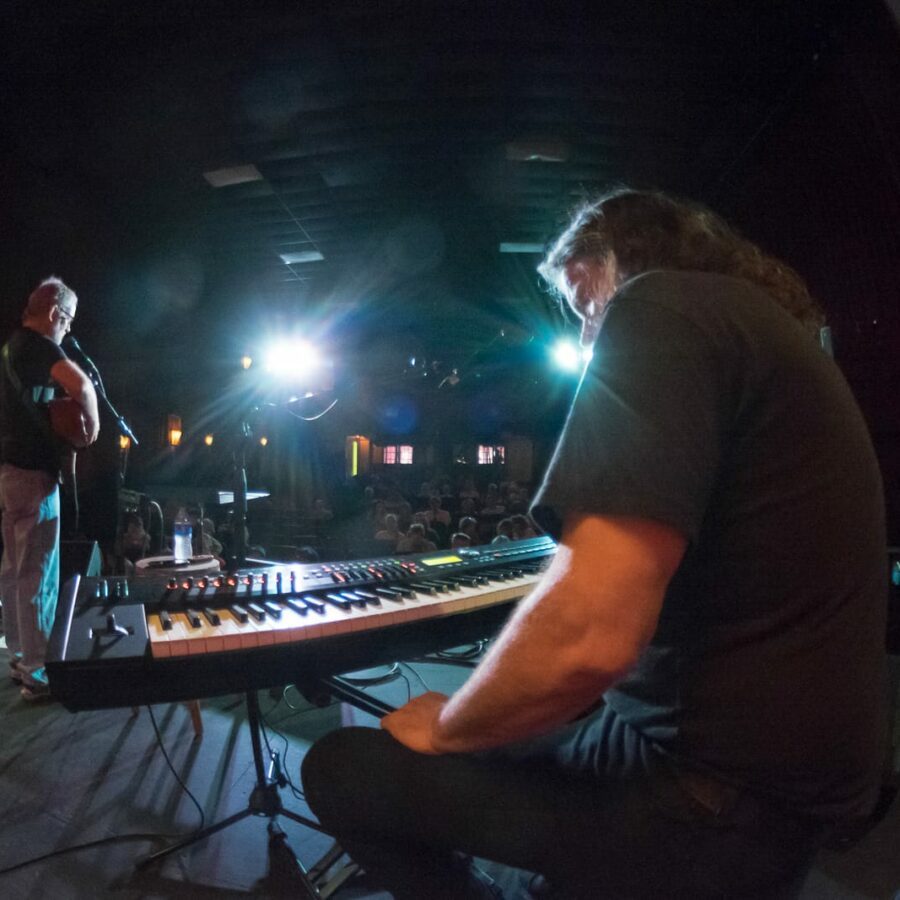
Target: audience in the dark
386, 517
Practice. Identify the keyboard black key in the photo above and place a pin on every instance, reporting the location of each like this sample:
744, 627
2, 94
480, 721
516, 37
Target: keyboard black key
338, 601
314, 603
297, 605
211, 616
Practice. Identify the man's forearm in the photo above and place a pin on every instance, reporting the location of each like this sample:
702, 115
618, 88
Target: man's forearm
80, 388
86, 397
536, 678
582, 628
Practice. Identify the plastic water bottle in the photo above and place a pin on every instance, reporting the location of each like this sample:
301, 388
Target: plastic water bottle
182, 534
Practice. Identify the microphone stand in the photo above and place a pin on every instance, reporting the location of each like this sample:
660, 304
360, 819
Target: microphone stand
239, 487
93, 373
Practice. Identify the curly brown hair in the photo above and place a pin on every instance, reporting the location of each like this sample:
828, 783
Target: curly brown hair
646, 230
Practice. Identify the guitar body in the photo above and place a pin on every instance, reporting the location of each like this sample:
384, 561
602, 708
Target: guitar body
68, 422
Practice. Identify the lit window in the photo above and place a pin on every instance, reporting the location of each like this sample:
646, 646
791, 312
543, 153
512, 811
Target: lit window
398, 453
490, 454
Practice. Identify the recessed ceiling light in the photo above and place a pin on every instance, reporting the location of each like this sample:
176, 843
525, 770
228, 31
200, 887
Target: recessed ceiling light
513, 247
301, 256
233, 175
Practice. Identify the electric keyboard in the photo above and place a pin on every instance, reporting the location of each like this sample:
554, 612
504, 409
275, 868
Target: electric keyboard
122, 642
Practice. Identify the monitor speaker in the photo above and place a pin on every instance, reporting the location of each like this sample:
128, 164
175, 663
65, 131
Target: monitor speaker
79, 558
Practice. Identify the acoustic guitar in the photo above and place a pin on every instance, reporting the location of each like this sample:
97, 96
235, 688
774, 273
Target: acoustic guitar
70, 426
69, 423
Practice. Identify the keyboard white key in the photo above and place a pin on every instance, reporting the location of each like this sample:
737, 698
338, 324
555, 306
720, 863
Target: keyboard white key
290, 626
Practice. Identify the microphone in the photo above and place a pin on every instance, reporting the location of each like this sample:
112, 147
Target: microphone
73, 344
72, 341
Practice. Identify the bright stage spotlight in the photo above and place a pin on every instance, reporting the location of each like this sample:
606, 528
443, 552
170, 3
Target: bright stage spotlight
569, 356
292, 360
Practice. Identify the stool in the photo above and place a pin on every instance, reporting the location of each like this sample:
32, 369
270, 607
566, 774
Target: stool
193, 707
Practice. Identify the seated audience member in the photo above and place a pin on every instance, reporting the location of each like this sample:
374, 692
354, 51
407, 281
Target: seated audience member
430, 533
521, 528
467, 506
425, 491
469, 525
438, 519
211, 544
493, 502
460, 539
135, 539
468, 491
435, 513
415, 540
504, 532
517, 501
404, 515
391, 532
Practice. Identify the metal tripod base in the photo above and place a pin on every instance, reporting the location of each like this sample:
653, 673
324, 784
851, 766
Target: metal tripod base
286, 873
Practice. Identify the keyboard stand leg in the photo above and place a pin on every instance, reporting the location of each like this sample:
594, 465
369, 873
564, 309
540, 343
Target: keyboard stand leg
338, 688
264, 801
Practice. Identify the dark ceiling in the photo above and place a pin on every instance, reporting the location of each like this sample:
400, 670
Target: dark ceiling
401, 141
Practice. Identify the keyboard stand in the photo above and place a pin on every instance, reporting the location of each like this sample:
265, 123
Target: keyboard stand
265, 801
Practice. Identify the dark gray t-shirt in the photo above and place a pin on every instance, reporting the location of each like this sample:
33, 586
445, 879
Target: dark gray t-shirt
26, 440
707, 407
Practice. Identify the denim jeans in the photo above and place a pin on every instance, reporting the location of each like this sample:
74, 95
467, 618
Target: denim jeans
29, 572
595, 821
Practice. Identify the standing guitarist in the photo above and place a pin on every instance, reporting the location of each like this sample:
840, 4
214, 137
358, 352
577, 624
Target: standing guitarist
33, 365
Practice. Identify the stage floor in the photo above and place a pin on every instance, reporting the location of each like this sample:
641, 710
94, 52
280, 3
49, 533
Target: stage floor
68, 779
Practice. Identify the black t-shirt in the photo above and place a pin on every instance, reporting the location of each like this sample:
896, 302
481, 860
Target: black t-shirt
26, 440
707, 407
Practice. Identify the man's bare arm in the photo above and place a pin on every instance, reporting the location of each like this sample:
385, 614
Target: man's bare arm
80, 388
581, 629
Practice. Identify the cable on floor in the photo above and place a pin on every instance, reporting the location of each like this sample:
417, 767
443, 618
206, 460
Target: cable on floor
120, 838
